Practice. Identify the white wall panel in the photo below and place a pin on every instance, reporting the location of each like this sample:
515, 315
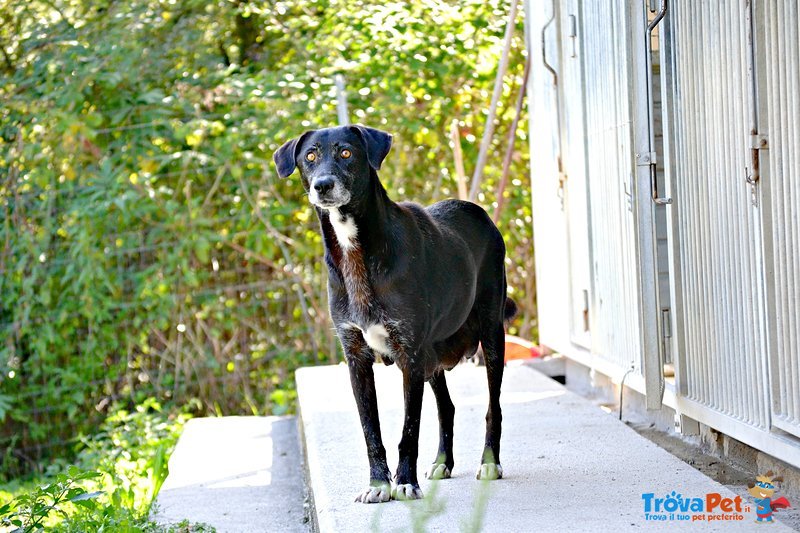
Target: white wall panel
609, 138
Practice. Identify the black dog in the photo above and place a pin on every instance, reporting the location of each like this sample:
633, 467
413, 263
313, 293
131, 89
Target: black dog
421, 287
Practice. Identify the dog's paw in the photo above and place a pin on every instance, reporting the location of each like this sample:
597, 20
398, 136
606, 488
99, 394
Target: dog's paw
406, 491
489, 471
438, 471
378, 493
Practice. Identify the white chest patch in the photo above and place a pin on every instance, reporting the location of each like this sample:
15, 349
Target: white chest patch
345, 229
376, 338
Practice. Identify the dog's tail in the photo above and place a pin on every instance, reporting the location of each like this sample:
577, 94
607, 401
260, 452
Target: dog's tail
510, 309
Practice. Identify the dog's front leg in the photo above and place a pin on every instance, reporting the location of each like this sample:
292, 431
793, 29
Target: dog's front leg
362, 379
406, 485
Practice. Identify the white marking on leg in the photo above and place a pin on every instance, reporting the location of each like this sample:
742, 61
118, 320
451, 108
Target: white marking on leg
375, 494
406, 491
344, 227
376, 338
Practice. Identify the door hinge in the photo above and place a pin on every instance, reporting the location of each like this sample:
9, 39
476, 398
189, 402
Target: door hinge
585, 310
757, 143
645, 159
573, 33
666, 324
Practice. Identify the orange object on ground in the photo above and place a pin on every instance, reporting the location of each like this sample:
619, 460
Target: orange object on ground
519, 348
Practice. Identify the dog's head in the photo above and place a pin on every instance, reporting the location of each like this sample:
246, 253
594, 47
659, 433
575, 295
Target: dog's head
334, 163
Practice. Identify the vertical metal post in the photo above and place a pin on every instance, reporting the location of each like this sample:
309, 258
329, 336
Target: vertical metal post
341, 100
644, 208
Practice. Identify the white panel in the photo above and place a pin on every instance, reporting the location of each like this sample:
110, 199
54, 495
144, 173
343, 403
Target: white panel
549, 219
781, 178
615, 309
723, 364
575, 170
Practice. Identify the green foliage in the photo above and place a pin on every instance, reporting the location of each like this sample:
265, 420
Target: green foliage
132, 448
147, 247
112, 487
65, 506
28, 512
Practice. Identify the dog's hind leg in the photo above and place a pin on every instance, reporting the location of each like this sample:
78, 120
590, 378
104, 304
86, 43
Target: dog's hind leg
443, 464
406, 484
494, 350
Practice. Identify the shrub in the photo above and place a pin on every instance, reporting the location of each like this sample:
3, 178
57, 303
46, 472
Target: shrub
146, 246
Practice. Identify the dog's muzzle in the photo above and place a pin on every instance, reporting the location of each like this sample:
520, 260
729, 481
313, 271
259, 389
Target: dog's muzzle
327, 191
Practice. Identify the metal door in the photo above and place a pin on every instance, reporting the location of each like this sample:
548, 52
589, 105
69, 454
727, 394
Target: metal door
777, 146
588, 123
550, 233
576, 190
716, 225
621, 275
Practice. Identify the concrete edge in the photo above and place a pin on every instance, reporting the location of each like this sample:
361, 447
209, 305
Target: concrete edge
311, 506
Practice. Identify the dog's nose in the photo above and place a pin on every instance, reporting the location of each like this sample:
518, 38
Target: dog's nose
323, 185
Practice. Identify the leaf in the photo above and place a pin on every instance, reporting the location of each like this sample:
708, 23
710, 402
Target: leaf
153, 96
89, 474
5, 407
87, 496
201, 249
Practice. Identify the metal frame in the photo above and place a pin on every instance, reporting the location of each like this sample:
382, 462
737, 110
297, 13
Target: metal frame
649, 312
776, 69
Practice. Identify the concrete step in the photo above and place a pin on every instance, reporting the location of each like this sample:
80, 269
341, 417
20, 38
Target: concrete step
567, 464
238, 474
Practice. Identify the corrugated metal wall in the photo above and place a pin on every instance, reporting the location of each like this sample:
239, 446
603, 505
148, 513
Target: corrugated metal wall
778, 22
723, 365
730, 82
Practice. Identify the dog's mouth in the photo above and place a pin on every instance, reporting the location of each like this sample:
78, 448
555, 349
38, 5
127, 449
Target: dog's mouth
328, 204
336, 197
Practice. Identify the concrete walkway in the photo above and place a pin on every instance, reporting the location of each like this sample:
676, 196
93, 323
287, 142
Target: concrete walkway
238, 474
568, 466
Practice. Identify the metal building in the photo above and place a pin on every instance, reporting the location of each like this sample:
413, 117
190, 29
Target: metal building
665, 155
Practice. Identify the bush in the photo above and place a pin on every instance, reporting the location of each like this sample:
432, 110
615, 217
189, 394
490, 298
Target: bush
146, 246
112, 486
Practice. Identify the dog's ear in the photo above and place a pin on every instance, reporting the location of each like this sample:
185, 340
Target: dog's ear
286, 155
378, 144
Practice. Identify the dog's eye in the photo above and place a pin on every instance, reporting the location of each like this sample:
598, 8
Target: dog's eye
311, 156
346, 154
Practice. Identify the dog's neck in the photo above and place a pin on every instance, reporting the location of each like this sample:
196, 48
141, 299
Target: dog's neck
362, 225
354, 235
